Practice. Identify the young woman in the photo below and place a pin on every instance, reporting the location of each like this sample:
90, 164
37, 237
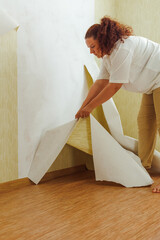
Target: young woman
133, 63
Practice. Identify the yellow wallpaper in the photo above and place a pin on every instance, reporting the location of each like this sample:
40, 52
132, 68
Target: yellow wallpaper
142, 15
69, 157
81, 135
102, 8
8, 107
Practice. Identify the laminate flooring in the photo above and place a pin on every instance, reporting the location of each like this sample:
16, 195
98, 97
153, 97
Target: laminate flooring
76, 207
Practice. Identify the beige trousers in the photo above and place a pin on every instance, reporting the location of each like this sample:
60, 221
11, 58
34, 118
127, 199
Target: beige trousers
148, 124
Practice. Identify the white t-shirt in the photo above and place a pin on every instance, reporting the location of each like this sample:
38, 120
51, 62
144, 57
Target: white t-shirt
135, 63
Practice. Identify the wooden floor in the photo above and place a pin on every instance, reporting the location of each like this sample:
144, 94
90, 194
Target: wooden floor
76, 207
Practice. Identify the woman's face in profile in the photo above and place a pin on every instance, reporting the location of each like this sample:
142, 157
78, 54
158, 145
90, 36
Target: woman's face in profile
93, 45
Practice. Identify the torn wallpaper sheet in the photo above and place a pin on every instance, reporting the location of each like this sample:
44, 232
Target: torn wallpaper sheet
50, 145
114, 122
113, 163
7, 23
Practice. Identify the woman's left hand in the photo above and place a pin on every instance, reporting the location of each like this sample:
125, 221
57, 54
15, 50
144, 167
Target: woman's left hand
85, 112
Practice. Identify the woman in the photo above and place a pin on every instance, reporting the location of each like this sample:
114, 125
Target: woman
133, 63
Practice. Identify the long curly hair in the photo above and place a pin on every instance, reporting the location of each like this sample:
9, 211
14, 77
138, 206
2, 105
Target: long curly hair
108, 32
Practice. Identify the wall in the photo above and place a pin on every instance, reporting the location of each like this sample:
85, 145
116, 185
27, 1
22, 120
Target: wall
50, 53
143, 16
104, 7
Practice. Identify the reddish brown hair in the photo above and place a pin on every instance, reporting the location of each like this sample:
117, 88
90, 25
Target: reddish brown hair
108, 32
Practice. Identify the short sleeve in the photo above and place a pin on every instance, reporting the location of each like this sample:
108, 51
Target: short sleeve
121, 65
103, 74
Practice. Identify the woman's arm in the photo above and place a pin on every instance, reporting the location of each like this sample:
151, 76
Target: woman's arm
105, 94
108, 91
95, 89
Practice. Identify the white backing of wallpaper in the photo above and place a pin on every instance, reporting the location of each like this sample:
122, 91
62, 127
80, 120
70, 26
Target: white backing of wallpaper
114, 163
51, 144
51, 57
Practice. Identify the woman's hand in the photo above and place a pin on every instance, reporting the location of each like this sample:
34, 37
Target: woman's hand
84, 112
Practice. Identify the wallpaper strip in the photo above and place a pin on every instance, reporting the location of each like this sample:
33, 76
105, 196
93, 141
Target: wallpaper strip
8, 107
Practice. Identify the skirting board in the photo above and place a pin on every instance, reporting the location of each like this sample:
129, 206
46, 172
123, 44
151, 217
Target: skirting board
23, 182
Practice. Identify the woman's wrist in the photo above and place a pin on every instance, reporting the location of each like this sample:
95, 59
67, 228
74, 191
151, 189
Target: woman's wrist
90, 106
